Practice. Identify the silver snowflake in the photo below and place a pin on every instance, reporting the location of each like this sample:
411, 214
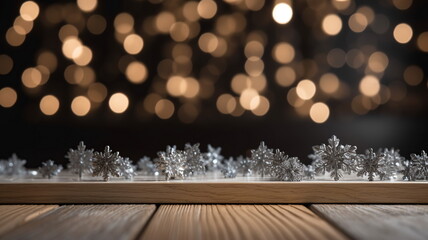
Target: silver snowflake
14, 166
391, 164
286, 168
335, 158
106, 164
419, 165
194, 159
276, 160
80, 159
370, 164
126, 168
146, 165
245, 166
408, 171
309, 172
213, 158
172, 163
49, 169
262, 158
230, 169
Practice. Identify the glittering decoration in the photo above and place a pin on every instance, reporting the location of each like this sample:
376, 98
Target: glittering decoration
245, 166
213, 158
262, 158
80, 159
286, 168
309, 172
194, 159
419, 164
146, 166
408, 171
172, 163
229, 169
49, 169
106, 164
391, 164
14, 166
126, 168
335, 158
370, 164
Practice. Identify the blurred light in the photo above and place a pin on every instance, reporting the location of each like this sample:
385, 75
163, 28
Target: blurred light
133, 44
262, 108
70, 45
96, 24
13, 38
402, 4
413, 75
380, 24
124, 23
226, 103
49, 105
150, 102
164, 21
240, 82
29, 11
403, 33
369, 86
283, 52
8, 97
188, 113
378, 62
118, 102
293, 99
285, 76
136, 72
422, 42
48, 59
67, 31
97, 92
31, 77
254, 5
176, 86
355, 58
164, 109
341, 5
190, 11
332, 24
192, 88
254, 49
80, 106
6, 64
258, 82
207, 9
208, 42
249, 99
21, 26
87, 5
82, 55
226, 25
306, 89
358, 22
282, 13
336, 57
319, 112
329, 83
254, 66
179, 31
368, 13
45, 74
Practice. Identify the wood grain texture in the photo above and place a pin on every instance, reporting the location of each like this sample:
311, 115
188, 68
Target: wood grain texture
214, 192
238, 222
86, 222
12, 216
378, 221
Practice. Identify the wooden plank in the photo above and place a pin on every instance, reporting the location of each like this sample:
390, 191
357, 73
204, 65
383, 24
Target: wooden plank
378, 221
12, 216
87, 222
188, 191
238, 222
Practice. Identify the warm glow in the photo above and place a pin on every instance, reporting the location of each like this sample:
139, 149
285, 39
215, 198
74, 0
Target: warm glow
176, 86
136, 72
96, 24
208, 42
21, 26
87, 5
67, 31
369, 86
82, 55
282, 13
97, 92
402, 4
285, 76
207, 9
70, 45
118, 103
179, 31
306, 89
48, 59
413, 75
31, 77
6, 64
124, 23
13, 38
249, 99
254, 66
164, 109
80, 106
164, 21
254, 49
378, 61
133, 44
226, 103
332, 24
329, 83
8, 97
319, 112
422, 42
403, 33
358, 22
29, 11
283, 52
262, 108
49, 105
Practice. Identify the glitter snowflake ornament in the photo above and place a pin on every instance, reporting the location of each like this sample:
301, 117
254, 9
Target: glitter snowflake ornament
408, 171
80, 159
49, 169
419, 166
391, 164
335, 158
126, 168
230, 169
146, 165
245, 166
262, 158
172, 163
14, 166
309, 172
371, 164
106, 164
194, 159
286, 168
213, 158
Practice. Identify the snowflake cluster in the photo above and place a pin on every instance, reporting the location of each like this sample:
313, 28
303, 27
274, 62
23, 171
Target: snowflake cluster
49, 169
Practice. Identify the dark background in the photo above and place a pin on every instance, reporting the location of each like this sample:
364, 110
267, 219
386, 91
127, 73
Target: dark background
36, 137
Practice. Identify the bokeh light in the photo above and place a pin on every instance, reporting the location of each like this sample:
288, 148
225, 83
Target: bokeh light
282, 13
403, 33
118, 103
8, 97
319, 112
80, 106
49, 105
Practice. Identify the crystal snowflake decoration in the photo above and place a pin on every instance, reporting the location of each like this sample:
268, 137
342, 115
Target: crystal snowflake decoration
146, 165
230, 169
49, 169
391, 164
408, 171
14, 166
245, 166
309, 172
80, 159
172, 163
194, 159
335, 158
286, 168
213, 158
262, 158
276, 160
419, 165
370, 164
126, 168
106, 164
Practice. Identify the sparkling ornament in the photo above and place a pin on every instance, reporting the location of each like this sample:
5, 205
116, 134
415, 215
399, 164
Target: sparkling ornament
126, 168
49, 169
370, 164
230, 169
419, 165
194, 159
213, 158
146, 166
286, 168
309, 172
262, 158
106, 164
14, 166
172, 163
335, 158
408, 171
391, 164
245, 166
80, 159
